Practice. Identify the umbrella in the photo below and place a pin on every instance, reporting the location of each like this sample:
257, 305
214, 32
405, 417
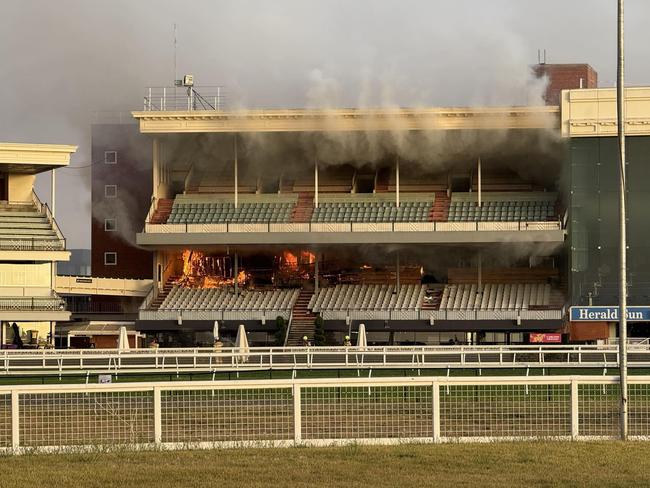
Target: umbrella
241, 344
215, 330
362, 341
123, 340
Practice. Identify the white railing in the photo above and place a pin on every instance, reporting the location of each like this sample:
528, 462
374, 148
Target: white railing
428, 315
185, 314
179, 98
76, 361
265, 413
378, 227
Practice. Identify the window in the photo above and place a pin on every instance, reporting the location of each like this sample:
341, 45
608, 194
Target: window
110, 191
110, 157
110, 225
110, 258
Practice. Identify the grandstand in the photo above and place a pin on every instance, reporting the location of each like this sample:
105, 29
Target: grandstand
31, 244
462, 238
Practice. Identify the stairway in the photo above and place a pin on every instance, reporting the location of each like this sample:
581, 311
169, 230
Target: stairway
163, 209
157, 302
303, 321
304, 208
440, 210
434, 304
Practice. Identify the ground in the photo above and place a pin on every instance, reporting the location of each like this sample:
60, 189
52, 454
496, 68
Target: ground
529, 464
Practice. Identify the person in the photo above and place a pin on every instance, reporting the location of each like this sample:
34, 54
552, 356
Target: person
305, 341
153, 344
346, 341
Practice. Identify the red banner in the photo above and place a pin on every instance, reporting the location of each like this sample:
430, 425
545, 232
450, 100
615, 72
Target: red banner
535, 338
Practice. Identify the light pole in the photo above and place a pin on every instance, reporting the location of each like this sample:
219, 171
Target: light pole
622, 312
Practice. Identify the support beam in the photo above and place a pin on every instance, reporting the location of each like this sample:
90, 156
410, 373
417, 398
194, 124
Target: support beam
479, 183
236, 274
397, 182
53, 193
236, 174
316, 184
316, 279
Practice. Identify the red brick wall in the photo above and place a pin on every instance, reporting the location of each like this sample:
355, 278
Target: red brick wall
564, 77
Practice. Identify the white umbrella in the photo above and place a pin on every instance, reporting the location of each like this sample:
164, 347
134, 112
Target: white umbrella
215, 330
241, 344
362, 340
123, 340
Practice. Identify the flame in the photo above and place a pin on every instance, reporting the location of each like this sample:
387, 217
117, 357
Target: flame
201, 271
290, 260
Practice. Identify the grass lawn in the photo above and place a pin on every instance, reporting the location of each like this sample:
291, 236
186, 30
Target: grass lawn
527, 464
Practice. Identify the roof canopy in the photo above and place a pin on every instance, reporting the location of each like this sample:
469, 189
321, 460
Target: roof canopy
33, 158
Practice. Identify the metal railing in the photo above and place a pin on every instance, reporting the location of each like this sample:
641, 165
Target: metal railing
173, 98
433, 315
187, 360
345, 227
186, 314
265, 413
51, 303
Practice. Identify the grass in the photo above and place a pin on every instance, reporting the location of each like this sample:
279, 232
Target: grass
530, 464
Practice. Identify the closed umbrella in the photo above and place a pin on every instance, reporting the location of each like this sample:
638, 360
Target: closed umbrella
241, 344
215, 330
362, 340
123, 340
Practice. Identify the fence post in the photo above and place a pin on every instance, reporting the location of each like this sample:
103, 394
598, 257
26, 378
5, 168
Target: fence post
575, 412
297, 414
436, 411
157, 416
15, 421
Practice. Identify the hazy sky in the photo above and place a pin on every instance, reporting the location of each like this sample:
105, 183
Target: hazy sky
61, 60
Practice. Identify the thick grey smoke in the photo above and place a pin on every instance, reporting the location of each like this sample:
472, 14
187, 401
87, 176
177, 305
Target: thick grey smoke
63, 60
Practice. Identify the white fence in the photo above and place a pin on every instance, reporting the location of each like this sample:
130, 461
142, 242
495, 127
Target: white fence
176, 415
206, 360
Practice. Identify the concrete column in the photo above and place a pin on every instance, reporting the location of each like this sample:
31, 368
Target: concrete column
316, 184
236, 174
397, 273
480, 268
156, 166
397, 182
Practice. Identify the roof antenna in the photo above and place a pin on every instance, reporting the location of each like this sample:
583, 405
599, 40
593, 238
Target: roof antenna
544, 56
539, 57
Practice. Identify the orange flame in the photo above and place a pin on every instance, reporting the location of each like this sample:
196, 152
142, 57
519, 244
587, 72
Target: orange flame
199, 271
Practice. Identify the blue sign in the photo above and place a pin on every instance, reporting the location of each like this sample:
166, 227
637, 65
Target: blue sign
608, 314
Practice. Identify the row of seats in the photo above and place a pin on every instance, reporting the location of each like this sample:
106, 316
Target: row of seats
502, 207
497, 296
380, 211
368, 297
222, 212
181, 298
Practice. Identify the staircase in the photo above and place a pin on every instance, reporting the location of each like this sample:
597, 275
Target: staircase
440, 210
157, 302
163, 209
302, 323
304, 208
434, 304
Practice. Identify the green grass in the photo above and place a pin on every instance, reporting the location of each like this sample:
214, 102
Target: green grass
529, 464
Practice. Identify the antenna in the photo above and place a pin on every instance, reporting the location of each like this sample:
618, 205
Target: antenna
544, 56
175, 71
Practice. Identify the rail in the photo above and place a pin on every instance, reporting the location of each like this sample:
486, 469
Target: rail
346, 227
74, 361
173, 98
185, 314
51, 303
308, 412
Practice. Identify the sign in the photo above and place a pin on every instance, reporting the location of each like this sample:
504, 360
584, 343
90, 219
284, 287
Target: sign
83, 280
105, 379
537, 337
608, 314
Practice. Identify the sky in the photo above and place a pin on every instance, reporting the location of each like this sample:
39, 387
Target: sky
63, 61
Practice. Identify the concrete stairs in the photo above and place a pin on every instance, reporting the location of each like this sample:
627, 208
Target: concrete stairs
163, 209
303, 321
440, 210
304, 208
155, 304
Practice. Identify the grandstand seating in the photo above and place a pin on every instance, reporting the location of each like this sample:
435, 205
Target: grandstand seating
496, 296
368, 297
373, 208
25, 222
254, 209
503, 206
181, 298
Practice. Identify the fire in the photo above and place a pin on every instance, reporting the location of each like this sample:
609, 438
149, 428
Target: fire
290, 260
201, 271
296, 265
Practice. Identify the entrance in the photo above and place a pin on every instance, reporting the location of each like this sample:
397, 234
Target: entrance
4, 187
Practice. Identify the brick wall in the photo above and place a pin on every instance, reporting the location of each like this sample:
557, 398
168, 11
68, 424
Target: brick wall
564, 77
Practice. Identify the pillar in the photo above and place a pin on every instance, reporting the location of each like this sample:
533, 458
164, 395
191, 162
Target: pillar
479, 182
235, 274
236, 174
316, 184
397, 183
397, 272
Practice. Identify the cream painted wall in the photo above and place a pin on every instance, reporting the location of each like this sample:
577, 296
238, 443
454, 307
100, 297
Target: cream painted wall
20, 187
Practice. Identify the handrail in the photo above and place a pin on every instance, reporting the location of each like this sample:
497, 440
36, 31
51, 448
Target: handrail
45, 209
286, 334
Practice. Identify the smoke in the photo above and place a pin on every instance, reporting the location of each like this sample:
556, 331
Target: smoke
79, 57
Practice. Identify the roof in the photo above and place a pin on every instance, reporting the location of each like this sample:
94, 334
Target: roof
95, 328
34, 158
